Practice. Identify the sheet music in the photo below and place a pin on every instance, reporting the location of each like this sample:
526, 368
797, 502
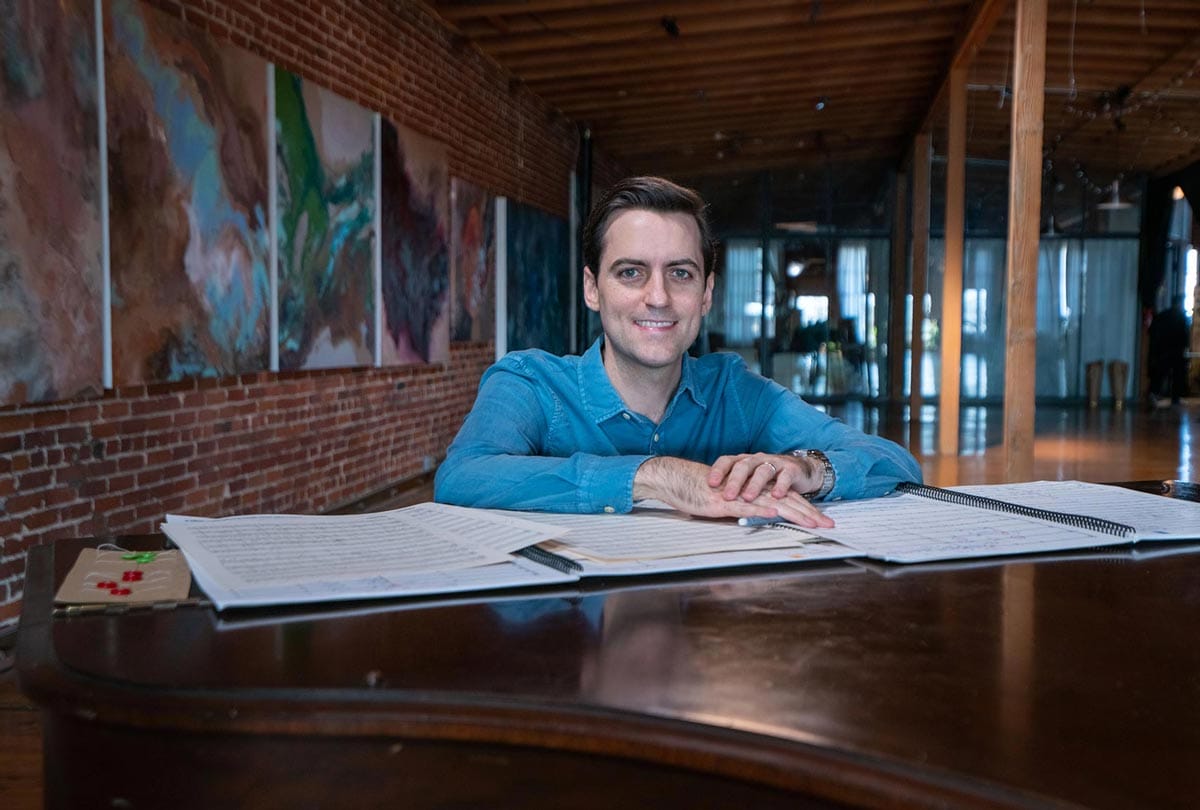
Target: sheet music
1154, 517
498, 531
657, 534
512, 573
910, 528
279, 550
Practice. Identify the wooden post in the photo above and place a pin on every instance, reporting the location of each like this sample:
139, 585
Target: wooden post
898, 288
1024, 218
952, 280
922, 146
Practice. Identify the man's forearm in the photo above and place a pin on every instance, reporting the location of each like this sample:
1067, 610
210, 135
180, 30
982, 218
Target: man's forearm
667, 479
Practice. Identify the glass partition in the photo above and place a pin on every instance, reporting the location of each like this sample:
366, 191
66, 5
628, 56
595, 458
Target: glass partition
826, 311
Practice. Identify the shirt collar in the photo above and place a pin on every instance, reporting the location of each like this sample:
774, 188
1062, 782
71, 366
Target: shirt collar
602, 400
599, 397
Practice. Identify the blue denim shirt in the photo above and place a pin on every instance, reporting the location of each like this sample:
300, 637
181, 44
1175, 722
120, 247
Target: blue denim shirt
551, 434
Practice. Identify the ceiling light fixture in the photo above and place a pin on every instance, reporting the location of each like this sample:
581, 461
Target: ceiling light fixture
821, 102
1114, 202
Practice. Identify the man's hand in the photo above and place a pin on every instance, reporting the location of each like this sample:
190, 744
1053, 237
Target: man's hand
687, 486
751, 475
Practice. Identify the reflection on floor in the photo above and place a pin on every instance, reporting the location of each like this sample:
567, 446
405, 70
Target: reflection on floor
1086, 444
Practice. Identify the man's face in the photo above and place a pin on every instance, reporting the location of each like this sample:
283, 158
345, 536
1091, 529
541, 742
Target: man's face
650, 288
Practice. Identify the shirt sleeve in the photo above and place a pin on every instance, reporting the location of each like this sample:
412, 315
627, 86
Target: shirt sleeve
864, 466
498, 458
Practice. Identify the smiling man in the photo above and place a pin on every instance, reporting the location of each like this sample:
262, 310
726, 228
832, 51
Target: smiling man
636, 417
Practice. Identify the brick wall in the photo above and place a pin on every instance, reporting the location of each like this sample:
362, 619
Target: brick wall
296, 441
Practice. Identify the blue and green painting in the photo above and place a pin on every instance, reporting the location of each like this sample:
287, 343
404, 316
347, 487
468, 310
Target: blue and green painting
415, 217
325, 152
538, 275
51, 275
187, 143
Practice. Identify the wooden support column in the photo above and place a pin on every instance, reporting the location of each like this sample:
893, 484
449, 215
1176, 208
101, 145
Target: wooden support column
922, 146
1024, 218
952, 280
897, 290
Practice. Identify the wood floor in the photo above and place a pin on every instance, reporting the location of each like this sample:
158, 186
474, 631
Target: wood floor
1092, 445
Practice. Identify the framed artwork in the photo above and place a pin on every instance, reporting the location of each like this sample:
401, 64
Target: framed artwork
538, 280
325, 153
188, 167
472, 262
51, 267
415, 255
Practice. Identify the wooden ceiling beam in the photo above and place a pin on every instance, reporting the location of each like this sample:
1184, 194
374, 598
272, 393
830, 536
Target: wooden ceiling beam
648, 30
632, 56
980, 20
713, 73
635, 66
601, 17
782, 91
455, 10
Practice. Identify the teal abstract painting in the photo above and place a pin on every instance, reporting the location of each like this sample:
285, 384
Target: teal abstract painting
187, 137
539, 287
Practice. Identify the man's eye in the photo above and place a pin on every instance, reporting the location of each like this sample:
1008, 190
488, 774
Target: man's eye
627, 272
682, 273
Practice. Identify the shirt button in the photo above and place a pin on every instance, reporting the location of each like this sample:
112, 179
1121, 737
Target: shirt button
655, 437
626, 415
609, 509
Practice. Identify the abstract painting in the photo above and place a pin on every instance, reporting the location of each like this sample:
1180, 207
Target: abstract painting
51, 274
415, 251
538, 277
187, 142
472, 262
325, 153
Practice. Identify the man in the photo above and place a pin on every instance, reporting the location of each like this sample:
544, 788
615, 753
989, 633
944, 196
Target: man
637, 418
1169, 336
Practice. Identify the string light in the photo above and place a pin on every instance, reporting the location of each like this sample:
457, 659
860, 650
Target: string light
1116, 107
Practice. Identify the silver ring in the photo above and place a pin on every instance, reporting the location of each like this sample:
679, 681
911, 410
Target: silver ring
774, 469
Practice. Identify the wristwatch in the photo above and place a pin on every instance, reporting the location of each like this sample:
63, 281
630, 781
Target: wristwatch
829, 476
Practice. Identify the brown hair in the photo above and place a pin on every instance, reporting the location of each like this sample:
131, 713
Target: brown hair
649, 194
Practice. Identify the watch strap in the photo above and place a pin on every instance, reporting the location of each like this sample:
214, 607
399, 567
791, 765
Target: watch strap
829, 476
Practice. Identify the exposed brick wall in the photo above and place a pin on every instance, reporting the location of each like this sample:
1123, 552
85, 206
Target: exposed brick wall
289, 442
297, 441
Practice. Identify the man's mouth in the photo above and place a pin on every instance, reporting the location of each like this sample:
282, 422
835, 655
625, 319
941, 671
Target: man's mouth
655, 324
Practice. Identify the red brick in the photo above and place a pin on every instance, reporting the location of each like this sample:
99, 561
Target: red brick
40, 519
34, 480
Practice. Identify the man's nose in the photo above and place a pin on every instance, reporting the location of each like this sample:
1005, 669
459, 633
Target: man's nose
656, 290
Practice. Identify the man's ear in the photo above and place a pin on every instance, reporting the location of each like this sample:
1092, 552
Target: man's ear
708, 292
591, 295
